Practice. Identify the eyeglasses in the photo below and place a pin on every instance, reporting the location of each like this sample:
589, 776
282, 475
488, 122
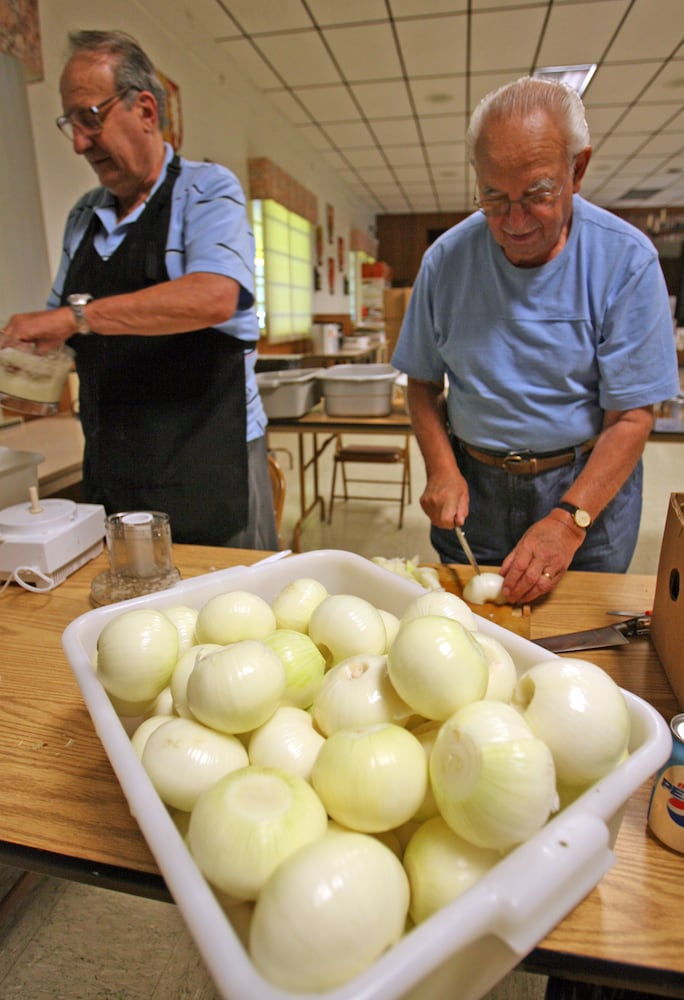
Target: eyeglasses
88, 121
536, 199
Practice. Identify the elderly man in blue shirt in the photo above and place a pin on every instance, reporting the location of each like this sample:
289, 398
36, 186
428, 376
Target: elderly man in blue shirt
537, 340
155, 293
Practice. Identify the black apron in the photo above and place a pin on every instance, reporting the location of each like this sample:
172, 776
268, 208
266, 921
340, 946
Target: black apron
164, 417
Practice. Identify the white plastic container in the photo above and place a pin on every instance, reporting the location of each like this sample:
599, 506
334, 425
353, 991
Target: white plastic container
289, 393
358, 390
18, 472
467, 947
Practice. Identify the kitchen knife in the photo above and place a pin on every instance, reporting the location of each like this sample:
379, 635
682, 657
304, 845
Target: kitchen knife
460, 534
596, 638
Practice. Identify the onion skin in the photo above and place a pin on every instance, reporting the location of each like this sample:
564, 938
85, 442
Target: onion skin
328, 912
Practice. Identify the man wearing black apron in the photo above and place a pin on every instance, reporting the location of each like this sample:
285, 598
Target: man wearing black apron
156, 296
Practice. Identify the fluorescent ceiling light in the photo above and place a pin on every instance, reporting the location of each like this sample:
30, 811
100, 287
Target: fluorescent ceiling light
577, 77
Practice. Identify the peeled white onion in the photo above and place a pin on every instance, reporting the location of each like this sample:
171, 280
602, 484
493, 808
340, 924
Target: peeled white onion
426, 734
580, 713
236, 688
391, 623
343, 625
136, 654
328, 912
355, 692
185, 619
503, 675
294, 604
494, 782
234, 616
179, 678
141, 733
441, 865
484, 587
303, 662
247, 823
440, 602
437, 665
371, 778
287, 740
183, 758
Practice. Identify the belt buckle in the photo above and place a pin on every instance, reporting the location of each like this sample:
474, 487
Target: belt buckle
514, 458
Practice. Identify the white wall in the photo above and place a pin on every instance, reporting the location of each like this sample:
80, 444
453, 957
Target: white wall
224, 117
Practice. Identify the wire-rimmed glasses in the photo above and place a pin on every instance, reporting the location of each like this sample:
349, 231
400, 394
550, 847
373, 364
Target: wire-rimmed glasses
88, 121
502, 204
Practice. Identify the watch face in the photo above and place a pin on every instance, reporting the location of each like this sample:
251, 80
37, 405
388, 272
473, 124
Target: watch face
582, 518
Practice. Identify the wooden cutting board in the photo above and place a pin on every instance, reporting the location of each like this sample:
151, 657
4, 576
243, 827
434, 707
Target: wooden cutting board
515, 618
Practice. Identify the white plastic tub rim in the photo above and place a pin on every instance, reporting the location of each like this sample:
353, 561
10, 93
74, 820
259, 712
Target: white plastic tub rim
491, 926
285, 377
359, 373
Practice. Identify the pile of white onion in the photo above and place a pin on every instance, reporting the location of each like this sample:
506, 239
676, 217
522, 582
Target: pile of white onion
344, 773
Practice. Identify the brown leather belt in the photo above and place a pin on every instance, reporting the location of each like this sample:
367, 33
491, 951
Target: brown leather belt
525, 464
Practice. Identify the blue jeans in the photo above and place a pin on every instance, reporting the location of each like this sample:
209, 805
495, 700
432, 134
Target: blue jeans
503, 506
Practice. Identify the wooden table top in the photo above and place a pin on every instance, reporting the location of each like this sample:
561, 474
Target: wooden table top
64, 812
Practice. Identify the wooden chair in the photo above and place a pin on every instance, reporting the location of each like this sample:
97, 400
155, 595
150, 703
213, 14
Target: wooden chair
278, 486
372, 454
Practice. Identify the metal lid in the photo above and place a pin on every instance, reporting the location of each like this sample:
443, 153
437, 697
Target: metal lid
677, 727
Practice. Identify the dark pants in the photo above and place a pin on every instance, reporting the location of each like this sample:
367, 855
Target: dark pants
503, 506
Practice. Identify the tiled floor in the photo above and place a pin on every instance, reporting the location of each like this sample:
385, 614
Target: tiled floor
73, 942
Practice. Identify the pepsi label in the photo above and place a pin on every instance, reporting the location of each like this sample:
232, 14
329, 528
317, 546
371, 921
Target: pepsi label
666, 808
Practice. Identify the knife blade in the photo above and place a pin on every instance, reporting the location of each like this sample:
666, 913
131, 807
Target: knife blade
460, 534
597, 638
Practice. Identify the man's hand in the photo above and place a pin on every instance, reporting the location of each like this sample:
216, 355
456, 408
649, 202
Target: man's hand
47, 329
540, 559
445, 498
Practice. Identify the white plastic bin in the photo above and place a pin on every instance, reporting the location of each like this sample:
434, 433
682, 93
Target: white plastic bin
18, 472
358, 390
464, 949
289, 393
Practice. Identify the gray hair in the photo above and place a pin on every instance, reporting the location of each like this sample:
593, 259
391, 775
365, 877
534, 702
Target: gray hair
133, 69
522, 98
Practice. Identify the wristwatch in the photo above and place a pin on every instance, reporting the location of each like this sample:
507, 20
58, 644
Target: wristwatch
77, 304
582, 518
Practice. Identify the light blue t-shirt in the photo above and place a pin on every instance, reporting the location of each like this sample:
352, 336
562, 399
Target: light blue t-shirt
533, 356
209, 231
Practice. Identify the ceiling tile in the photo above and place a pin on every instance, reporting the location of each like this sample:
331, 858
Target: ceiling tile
328, 104
365, 53
288, 106
252, 65
668, 85
313, 135
383, 99
652, 29
427, 8
434, 46
328, 12
364, 158
443, 128
396, 132
349, 135
439, 94
261, 17
579, 33
301, 59
504, 40
618, 83
666, 144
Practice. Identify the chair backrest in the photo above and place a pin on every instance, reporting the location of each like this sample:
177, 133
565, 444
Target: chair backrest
278, 486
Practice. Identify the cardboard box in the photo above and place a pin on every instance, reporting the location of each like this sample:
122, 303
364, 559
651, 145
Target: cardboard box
396, 301
667, 627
